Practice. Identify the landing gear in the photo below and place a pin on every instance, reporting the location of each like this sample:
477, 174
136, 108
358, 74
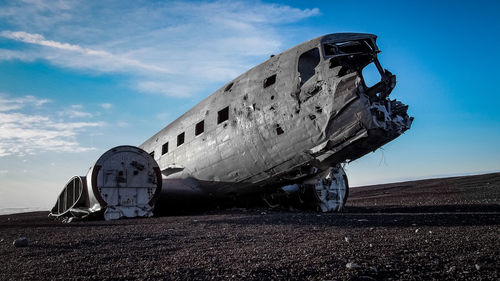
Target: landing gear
324, 192
332, 191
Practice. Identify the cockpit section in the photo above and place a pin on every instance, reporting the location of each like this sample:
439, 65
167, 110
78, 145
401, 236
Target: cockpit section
353, 56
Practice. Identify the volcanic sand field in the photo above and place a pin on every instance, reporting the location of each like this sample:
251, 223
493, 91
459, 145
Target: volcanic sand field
438, 229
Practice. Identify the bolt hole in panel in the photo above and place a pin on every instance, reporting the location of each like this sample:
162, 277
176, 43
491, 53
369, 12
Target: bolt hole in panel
125, 182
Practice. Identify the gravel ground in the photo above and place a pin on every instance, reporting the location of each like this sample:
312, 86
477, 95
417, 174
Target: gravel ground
439, 229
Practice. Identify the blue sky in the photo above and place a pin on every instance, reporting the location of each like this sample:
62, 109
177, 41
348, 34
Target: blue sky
80, 77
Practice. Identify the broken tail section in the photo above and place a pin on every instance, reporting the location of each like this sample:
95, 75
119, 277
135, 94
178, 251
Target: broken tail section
124, 182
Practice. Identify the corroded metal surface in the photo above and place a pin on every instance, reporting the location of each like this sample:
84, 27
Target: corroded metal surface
124, 182
289, 120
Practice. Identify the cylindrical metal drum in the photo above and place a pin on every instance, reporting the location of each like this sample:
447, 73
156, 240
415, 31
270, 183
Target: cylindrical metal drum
126, 181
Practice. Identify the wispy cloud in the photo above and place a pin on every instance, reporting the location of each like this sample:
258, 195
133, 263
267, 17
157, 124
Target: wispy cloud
76, 111
122, 124
174, 48
106, 105
22, 134
98, 57
18, 103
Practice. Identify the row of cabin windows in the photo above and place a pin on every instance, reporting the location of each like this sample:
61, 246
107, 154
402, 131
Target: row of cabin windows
199, 128
306, 68
222, 115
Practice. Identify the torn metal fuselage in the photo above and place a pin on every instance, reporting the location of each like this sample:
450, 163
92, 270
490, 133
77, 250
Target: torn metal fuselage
351, 118
359, 119
291, 120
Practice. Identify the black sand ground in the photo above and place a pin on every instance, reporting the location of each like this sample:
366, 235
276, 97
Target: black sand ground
441, 229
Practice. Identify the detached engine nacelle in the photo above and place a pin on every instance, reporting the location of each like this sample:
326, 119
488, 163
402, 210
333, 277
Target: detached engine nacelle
124, 182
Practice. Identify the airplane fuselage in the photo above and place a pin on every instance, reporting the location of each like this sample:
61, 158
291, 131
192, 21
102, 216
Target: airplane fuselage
306, 108
278, 132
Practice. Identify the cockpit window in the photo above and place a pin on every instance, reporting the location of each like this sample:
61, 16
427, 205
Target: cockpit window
351, 55
307, 62
348, 48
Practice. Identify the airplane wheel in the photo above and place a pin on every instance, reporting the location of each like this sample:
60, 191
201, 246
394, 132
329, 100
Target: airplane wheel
332, 191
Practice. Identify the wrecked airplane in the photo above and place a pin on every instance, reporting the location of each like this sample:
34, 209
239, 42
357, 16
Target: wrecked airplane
282, 130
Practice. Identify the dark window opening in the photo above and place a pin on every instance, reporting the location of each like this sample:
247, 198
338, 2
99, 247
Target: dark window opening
152, 154
164, 148
269, 81
199, 128
350, 55
223, 115
348, 48
319, 109
279, 131
228, 87
307, 62
312, 116
272, 97
180, 139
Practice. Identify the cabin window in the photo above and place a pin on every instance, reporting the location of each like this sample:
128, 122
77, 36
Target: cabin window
279, 130
180, 139
223, 115
269, 81
199, 128
307, 62
228, 87
152, 154
164, 148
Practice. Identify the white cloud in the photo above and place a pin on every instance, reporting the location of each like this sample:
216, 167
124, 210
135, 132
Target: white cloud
6, 54
98, 58
75, 112
79, 114
18, 103
22, 134
174, 48
106, 105
122, 124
